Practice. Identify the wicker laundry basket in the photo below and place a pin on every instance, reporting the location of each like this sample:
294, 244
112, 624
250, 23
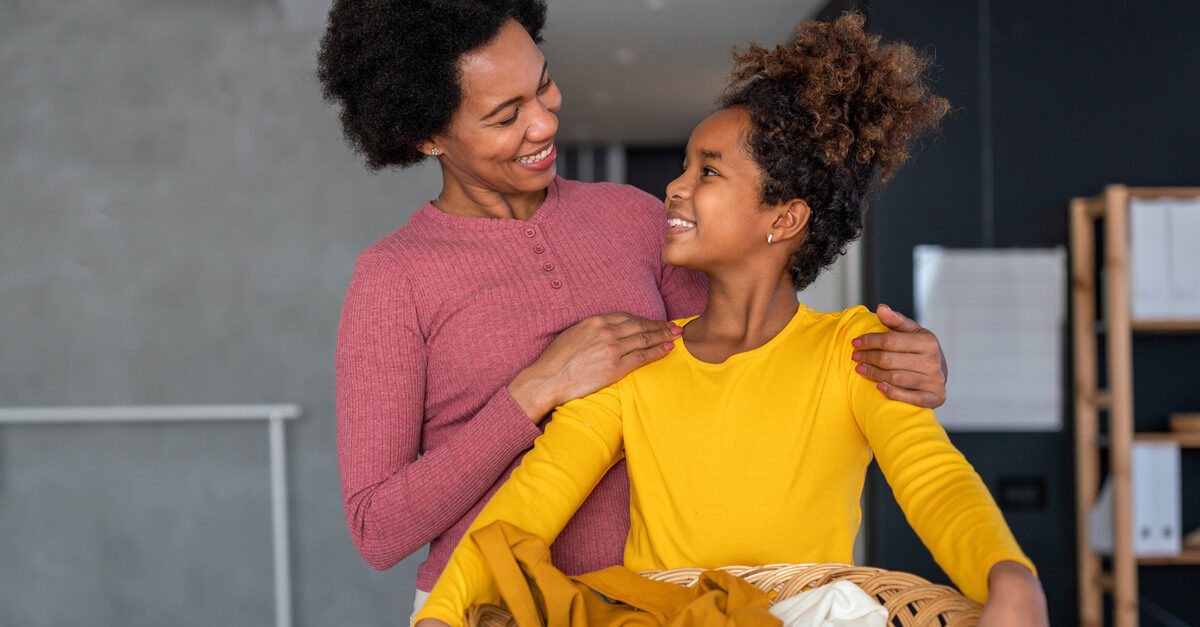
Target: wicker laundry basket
910, 600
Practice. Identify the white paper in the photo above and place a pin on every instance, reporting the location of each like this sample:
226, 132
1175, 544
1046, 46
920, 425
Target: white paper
1000, 315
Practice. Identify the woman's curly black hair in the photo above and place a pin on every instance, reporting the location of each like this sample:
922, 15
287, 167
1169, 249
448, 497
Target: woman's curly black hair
829, 112
392, 65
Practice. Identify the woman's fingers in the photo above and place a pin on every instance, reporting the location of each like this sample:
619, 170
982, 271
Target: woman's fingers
914, 388
887, 360
642, 334
637, 358
918, 398
921, 341
895, 320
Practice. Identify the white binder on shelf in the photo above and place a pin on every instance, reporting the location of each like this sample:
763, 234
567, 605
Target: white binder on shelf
1164, 259
1157, 504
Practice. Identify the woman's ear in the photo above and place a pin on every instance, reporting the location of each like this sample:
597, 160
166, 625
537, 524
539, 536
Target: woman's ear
791, 221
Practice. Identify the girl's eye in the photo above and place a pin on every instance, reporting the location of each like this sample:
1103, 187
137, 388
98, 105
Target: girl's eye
708, 172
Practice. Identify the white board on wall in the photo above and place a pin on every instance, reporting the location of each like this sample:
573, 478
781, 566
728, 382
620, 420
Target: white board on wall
1000, 315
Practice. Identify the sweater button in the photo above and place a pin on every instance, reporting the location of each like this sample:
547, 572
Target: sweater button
530, 232
556, 284
548, 266
539, 249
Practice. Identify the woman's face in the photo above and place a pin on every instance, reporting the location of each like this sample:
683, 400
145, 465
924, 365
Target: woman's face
502, 136
715, 218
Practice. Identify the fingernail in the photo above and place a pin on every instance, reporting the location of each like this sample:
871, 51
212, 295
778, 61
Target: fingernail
677, 330
861, 369
668, 346
856, 356
883, 387
857, 342
885, 306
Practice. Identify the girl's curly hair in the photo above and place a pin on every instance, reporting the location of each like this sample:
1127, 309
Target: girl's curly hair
829, 112
392, 65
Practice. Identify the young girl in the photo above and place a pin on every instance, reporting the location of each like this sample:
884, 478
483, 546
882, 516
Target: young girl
735, 454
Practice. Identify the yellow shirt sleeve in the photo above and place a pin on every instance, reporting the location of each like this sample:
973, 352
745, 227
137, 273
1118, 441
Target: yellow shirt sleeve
942, 496
581, 442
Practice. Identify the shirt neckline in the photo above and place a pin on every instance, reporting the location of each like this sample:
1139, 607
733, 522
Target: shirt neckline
547, 208
802, 312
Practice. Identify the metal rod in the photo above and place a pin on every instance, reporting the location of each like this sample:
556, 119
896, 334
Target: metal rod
275, 415
279, 524
144, 413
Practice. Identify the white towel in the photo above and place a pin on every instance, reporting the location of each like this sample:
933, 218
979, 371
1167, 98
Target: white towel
839, 604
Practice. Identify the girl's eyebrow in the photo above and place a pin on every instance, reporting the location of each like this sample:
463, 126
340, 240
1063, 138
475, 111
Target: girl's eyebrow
515, 99
711, 154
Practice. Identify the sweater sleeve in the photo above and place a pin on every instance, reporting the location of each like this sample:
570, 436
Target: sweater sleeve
582, 440
397, 500
942, 496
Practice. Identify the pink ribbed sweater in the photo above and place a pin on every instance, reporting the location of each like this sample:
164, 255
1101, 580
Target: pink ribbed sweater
439, 317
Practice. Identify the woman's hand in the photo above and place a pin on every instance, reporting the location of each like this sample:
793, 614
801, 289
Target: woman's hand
591, 355
907, 362
431, 622
1015, 598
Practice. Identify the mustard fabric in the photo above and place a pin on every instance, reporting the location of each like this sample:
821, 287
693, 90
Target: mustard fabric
537, 593
756, 460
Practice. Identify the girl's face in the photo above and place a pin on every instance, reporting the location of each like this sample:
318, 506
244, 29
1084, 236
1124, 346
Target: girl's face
715, 219
502, 136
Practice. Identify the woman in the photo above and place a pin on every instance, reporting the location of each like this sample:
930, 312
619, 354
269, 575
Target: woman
495, 303
737, 455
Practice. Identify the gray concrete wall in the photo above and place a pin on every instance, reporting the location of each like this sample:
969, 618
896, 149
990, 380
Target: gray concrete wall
179, 221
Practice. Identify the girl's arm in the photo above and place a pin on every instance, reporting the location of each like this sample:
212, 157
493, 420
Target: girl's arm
395, 499
582, 440
942, 496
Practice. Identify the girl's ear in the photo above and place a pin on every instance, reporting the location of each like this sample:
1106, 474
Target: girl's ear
791, 221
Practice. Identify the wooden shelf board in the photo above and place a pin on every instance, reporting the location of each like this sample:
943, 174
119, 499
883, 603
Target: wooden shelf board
1168, 326
1187, 557
1185, 439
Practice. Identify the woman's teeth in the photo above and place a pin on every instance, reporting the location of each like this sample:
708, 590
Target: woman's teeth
538, 157
671, 222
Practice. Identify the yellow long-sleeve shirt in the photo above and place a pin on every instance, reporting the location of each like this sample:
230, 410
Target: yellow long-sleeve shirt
757, 460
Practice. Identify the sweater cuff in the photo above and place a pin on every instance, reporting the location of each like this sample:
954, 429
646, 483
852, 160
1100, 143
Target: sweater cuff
503, 421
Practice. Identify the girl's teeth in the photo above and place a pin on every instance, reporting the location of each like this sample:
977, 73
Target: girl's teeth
538, 157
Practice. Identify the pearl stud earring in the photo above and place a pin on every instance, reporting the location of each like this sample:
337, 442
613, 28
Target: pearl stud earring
770, 236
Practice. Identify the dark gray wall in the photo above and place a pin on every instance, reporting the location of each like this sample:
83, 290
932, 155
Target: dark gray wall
1077, 96
180, 220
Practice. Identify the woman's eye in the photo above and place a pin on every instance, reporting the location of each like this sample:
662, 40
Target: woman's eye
509, 120
541, 90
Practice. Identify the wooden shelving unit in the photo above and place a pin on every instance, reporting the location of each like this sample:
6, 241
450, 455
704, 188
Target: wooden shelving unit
1111, 211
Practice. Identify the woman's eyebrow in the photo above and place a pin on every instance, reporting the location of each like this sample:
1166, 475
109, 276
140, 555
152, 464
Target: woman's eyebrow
515, 99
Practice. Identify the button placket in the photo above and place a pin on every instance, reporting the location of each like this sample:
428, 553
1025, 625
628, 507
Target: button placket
541, 249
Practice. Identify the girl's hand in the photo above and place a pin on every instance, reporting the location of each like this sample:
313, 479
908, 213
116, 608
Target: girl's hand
907, 362
431, 622
1015, 598
591, 355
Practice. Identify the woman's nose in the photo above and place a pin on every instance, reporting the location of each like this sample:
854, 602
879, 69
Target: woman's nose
545, 123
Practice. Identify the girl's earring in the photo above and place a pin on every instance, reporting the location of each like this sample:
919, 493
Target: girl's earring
770, 236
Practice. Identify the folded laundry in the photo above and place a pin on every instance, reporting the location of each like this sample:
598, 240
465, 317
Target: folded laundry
837, 604
537, 593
